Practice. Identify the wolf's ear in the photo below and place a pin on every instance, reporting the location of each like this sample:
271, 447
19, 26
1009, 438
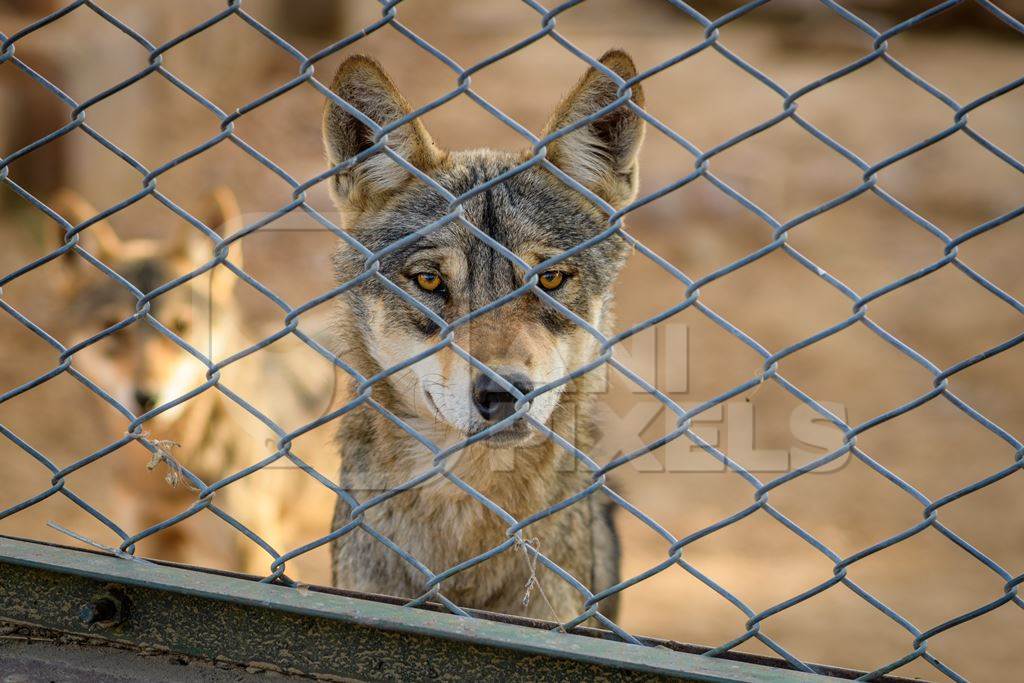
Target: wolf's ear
224, 216
361, 82
602, 155
221, 213
98, 239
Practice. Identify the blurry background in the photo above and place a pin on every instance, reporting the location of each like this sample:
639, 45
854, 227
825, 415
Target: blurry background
875, 112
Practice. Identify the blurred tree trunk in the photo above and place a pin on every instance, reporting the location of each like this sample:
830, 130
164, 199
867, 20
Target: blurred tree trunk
28, 112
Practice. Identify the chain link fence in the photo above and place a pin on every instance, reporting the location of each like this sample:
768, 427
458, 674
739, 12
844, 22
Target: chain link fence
776, 236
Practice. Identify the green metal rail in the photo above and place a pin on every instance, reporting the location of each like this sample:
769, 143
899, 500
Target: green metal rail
319, 632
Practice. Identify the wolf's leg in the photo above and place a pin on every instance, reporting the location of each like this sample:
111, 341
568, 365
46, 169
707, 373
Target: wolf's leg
606, 552
341, 514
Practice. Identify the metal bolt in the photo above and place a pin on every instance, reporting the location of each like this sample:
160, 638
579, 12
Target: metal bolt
105, 610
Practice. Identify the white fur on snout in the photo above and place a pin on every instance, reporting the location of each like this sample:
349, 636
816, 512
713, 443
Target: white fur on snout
422, 387
438, 389
186, 374
434, 393
455, 399
450, 395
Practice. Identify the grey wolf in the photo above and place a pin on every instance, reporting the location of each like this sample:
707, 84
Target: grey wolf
526, 341
209, 434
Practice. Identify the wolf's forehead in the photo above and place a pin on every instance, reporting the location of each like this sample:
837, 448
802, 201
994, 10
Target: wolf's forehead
144, 274
96, 295
147, 274
528, 209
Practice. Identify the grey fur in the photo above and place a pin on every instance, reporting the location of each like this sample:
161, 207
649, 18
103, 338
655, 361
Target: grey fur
537, 216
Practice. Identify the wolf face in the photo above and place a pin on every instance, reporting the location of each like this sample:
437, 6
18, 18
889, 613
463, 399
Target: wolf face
451, 273
137, 365
142, 368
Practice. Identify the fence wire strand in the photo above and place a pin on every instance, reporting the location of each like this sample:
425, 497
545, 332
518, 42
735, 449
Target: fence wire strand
777, 240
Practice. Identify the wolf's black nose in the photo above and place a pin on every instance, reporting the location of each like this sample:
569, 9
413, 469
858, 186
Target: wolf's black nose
145, 400
493, 402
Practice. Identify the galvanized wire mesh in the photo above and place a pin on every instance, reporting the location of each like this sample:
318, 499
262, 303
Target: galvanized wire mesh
777, 233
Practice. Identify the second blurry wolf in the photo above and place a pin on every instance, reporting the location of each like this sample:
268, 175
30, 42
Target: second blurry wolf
144, 369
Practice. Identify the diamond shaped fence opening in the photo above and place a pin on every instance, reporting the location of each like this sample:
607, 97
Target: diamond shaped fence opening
682, 377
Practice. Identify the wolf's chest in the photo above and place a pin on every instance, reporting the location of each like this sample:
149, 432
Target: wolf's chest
440, 528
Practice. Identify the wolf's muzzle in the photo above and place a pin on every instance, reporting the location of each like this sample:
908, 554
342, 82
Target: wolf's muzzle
144, 400
492, 401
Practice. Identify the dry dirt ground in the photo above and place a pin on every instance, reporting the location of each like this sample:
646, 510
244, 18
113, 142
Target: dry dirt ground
866, 243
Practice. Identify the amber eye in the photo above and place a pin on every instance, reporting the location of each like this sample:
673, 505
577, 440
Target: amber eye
428, 282
180, 326
551, 279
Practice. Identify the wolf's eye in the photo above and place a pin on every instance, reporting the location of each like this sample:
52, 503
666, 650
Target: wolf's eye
180, 326
428, 282
552, 279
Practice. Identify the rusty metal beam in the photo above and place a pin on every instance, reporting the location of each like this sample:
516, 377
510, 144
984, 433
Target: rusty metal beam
214, 616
